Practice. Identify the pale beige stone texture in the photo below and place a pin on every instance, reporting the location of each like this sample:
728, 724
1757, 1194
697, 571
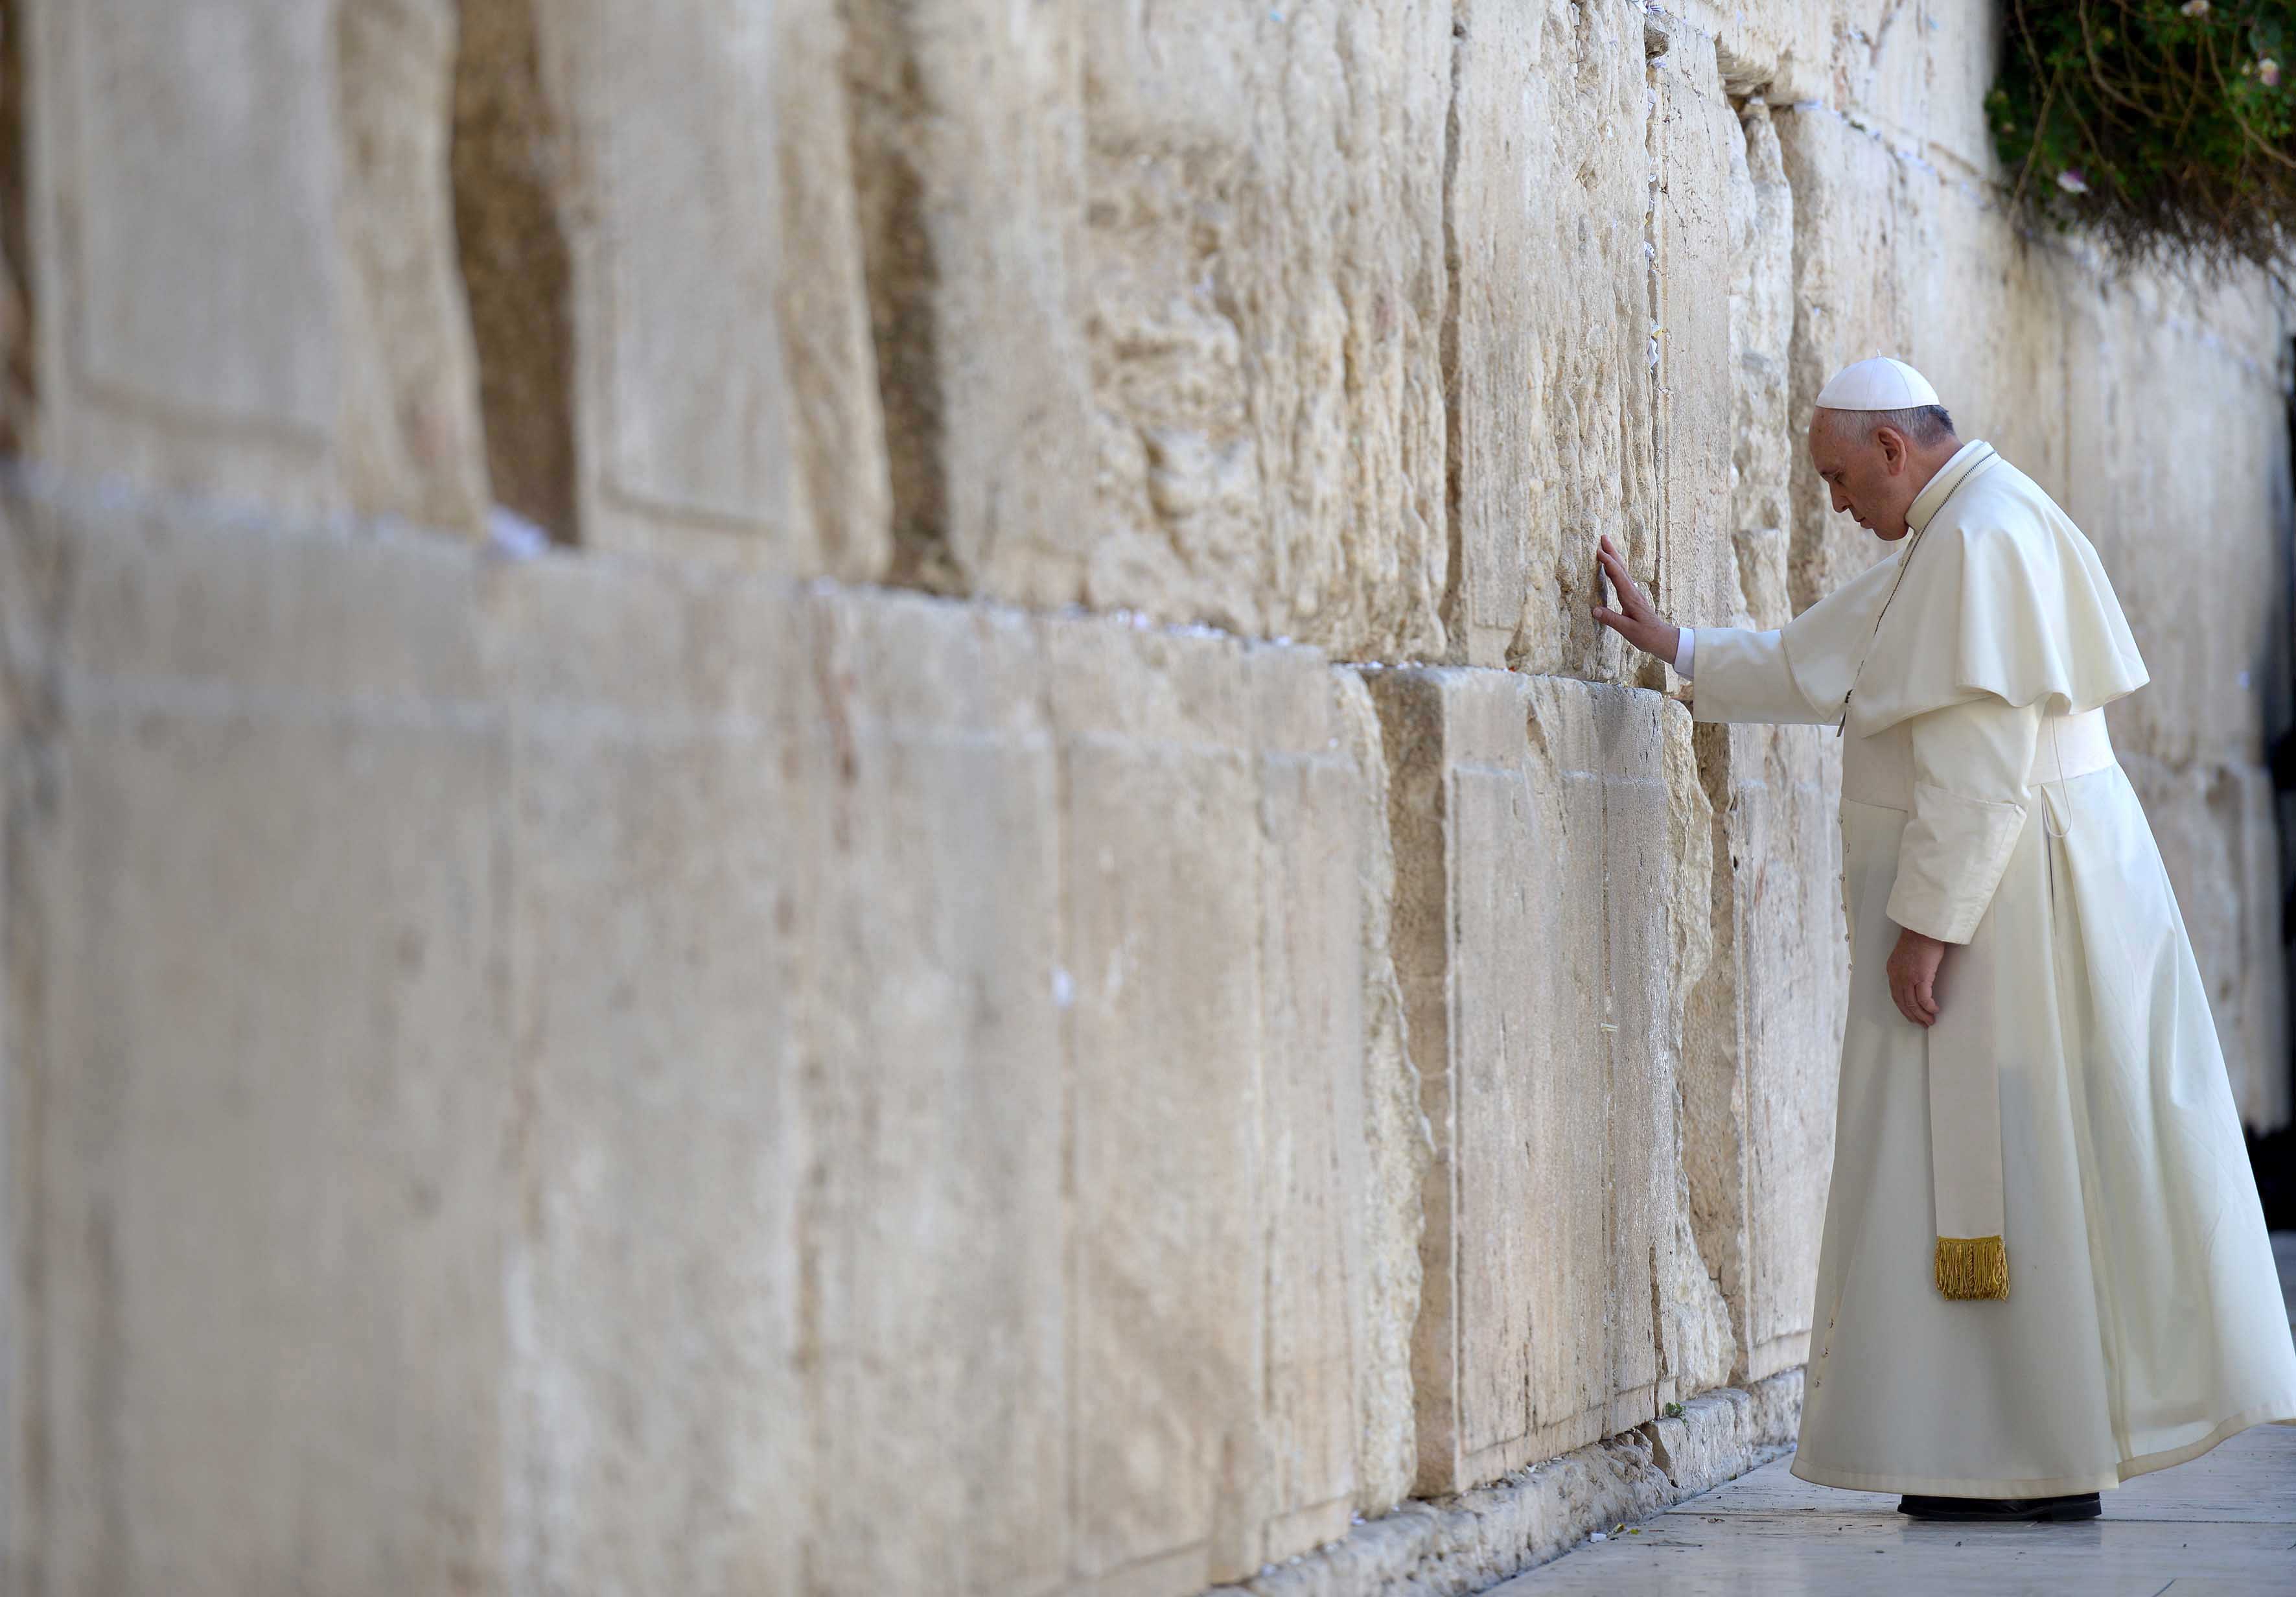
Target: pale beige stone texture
936, 1233
1916, 72
1698, 1346
1265, 306
2161, 376
1702, 202
968, 139
1763, 444
1533, 935
1217, 833
1399, 1143
247, 274
1790, 973
1166, 1289
258, 1043
662, 808
725, 402
1548, 210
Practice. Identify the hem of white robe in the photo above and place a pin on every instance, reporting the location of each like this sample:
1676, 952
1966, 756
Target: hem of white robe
2281, 1412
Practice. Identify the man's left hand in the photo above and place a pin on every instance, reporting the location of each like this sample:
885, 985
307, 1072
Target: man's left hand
1913, 976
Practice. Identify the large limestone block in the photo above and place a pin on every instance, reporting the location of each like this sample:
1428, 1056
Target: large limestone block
968, 141
261, 1040
1265, 312
1703, 213
2160, 376
1793, 974
1917, 71
1234, 1229
664, 813
1399, 1146
726, 400
936, 1231
1161, 857
1550, 374
1533, 938
245, 267
1763, 442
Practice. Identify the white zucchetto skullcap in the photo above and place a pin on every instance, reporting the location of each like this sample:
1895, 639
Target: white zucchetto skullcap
1879, 383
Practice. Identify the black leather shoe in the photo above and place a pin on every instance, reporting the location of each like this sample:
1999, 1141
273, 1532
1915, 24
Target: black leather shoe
2081, 1506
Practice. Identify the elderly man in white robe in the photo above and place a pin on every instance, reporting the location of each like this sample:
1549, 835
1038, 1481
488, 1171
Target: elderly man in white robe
2045, 1268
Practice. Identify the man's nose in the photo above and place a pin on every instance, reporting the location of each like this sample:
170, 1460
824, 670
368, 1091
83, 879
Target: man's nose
1841, 501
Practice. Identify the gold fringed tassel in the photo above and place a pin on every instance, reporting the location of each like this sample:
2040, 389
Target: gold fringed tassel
1973, 1267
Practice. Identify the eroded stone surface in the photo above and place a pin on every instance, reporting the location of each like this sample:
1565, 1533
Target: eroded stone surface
935, 1110
263, 1017
249, 269
1534, 940
725, 378
1551, 379
1264, 304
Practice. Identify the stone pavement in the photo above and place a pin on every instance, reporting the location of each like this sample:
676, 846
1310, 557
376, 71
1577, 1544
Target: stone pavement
2224, 1525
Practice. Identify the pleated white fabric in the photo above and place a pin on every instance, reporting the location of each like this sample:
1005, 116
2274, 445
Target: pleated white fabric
2143, 1322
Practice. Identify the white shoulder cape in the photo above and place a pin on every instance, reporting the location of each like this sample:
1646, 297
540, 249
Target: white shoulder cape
2001, 595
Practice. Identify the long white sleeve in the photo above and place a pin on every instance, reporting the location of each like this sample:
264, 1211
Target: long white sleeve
1744, 676
1970, 763
1685, 652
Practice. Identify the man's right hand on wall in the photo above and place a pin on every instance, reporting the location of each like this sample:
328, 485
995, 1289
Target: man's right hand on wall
1635, 619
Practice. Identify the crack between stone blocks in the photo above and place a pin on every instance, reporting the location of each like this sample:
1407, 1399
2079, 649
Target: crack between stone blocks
507, 165
1452, 615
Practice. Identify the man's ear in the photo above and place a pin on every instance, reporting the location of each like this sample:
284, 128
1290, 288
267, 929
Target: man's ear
1893, 449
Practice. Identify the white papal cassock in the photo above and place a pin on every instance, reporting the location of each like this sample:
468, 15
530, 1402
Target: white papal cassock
2071, 1098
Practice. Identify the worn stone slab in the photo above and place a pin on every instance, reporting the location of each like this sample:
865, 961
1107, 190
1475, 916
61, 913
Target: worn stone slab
1399, 1146
661, 817
720, 310
1550, 382
1761, 322
260, 1013
936, 1229
1533, 932
1264, 251
1318, 826
1793, 961
2159, 527
1160, 854
1218, 832
246, 274
968, 144
1764, 1034
1703, 211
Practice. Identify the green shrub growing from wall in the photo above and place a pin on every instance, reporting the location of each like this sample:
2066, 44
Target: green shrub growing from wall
2162, 126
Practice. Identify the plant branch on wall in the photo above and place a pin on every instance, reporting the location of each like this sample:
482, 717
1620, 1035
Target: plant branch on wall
2163, 127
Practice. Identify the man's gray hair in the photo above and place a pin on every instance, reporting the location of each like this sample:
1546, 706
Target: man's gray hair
1922, 424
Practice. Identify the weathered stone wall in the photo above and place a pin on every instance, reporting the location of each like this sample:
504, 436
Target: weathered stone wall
816, 798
